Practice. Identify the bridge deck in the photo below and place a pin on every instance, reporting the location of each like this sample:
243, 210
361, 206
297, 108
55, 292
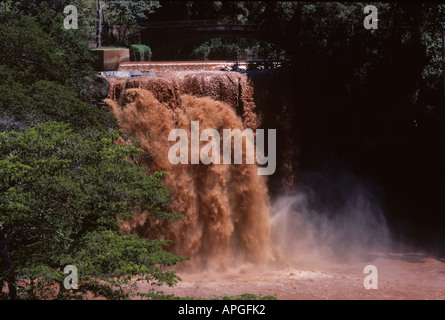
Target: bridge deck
190, 23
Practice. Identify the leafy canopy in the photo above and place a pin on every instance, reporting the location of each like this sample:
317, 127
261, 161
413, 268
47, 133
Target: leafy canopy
23, 104
63, 201
29, 51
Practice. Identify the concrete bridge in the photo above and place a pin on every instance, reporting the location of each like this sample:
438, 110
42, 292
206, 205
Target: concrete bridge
166, 36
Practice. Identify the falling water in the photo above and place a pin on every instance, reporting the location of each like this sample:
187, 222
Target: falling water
225, 207
228, 216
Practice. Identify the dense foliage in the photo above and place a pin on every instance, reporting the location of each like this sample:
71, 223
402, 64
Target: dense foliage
63, 199
126, 14
140, 52
236, 49
41, 31
67, 181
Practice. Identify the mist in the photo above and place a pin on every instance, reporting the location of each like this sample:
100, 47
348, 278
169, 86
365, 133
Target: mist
330, 215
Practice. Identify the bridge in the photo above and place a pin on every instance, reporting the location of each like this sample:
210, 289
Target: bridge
166, 36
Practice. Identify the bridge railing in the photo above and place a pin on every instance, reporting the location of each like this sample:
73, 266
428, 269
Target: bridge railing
189, 23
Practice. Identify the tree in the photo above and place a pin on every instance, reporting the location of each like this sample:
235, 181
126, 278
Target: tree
66, 188
125, 15
39, 48
63, 201
42, 79
100, 7
22, 105
29, 51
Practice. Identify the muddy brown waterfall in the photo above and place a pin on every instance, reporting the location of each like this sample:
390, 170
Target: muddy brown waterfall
225, 208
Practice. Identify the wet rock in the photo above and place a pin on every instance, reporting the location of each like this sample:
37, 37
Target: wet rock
99, 90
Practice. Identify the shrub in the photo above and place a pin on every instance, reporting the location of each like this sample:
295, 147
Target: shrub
140, 52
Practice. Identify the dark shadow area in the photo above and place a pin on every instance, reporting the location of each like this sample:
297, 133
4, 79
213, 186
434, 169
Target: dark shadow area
375, 132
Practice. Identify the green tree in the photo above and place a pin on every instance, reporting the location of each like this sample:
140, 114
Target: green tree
72, 45
66, 188
29, 51
40, 48
125, 15
22, 105
63, 201
42, 79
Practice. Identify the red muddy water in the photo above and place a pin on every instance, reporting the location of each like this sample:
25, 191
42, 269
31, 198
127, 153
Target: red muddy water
409, 275
239, 239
